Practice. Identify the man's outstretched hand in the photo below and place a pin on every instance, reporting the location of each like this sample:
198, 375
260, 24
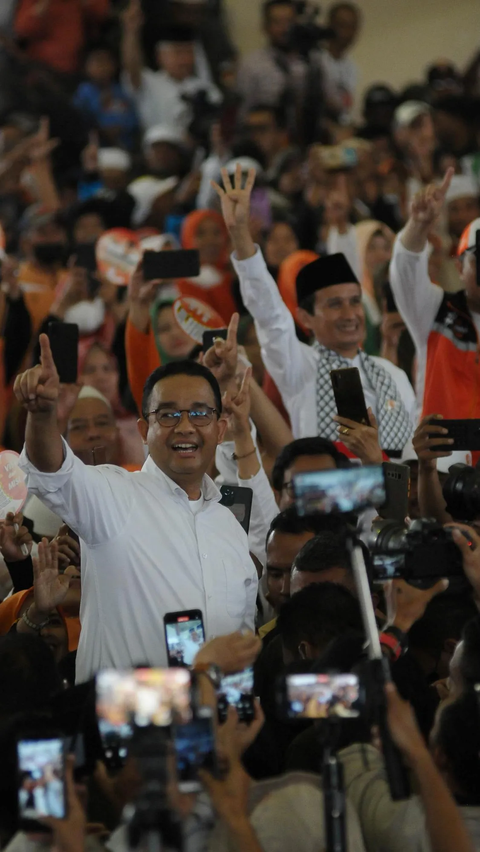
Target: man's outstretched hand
428, 203
38, 388
235, 199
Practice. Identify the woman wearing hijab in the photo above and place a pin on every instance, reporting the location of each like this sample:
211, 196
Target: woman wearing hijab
205, 230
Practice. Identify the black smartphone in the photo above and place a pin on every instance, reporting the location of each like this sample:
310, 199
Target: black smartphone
397, 489
237, 691
41, 780
239, 501
325, 492
184, 636
194, 745
63, 337
348, 392
184, 263
320, 696
85, 256
465, 434
211, 335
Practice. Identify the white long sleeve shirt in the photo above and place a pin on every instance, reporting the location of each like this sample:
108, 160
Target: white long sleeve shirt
418, 301
292, 364
145, 552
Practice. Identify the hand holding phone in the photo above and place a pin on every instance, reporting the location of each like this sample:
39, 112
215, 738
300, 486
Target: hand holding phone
166, 265
184, 636
349, 396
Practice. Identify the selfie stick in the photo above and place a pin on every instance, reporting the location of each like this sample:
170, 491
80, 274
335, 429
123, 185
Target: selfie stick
333, 792
379, 675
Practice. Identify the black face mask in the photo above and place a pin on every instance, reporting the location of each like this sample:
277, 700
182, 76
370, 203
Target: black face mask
50, 253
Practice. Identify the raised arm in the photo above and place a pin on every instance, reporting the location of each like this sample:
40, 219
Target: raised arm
289, 362
38, 390
418, 300
132, 20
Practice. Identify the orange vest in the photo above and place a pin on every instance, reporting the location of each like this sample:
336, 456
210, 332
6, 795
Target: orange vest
452, 374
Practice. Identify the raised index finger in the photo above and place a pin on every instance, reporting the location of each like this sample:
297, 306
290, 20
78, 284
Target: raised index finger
232, 330
46, 357
447, 179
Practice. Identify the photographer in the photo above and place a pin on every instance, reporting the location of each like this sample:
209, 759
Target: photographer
430, 820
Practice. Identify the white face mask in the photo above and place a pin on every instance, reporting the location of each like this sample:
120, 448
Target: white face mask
87, 315
209, 277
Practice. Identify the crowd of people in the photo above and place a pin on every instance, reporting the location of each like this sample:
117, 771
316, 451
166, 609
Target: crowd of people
326, 231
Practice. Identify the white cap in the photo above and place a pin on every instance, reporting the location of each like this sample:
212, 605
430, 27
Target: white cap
114, 158
461, 186
89, 392
407, 112
144, 191
45, 522
163, 133
246, 163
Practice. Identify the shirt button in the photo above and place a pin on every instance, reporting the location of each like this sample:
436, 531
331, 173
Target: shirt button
248, 582
204, 555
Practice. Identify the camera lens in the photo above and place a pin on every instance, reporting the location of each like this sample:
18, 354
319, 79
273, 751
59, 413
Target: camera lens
462, 492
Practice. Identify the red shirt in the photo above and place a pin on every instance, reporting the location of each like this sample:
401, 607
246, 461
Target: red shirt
57, 36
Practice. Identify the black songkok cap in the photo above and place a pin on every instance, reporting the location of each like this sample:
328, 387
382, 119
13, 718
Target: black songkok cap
324, 272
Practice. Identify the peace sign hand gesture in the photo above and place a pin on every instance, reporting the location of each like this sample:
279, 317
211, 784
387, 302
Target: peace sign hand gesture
427, 204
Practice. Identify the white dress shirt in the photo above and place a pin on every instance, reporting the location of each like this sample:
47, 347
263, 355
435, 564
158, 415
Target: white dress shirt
159, 99
292, 364
144, 553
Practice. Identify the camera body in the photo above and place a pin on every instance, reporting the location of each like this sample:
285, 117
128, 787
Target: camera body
421, 553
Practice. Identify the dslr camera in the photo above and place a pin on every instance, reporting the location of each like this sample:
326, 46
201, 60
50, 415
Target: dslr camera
420, 553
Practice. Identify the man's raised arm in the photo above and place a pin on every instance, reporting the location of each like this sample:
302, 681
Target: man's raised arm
38, 390
288, 361
417, 299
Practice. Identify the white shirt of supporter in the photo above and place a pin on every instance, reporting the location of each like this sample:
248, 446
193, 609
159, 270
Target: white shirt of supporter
159, 99
418, 301
144, 553
292, 364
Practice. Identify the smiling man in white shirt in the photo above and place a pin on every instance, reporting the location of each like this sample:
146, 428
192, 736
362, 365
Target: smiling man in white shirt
330, 299
154, 541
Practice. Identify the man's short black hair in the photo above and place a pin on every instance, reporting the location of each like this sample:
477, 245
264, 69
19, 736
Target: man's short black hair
278, 111
314, 446
318, 614
290, 522
459, 738
180, 368
327, 550
269, 4
341, 6
444, 618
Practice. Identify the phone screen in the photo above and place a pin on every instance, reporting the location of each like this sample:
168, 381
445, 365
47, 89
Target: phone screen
41, 788
237, 690
336, 491
141, 697
194, 749
185, 637
319, 696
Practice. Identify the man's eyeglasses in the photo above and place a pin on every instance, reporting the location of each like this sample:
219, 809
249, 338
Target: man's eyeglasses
201, 415
288, 487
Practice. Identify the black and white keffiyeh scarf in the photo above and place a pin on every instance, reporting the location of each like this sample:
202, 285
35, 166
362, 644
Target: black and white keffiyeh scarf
394, 425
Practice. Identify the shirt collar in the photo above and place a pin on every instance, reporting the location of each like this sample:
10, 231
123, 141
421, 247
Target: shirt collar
209, 490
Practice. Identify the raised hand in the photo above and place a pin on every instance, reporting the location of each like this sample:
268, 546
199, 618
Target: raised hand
237, 406
49, 586
15, 539
428, 203
38, 388
429, 435
235, 200
132, 16
42, 145
222, 357
361, 439
90, 153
